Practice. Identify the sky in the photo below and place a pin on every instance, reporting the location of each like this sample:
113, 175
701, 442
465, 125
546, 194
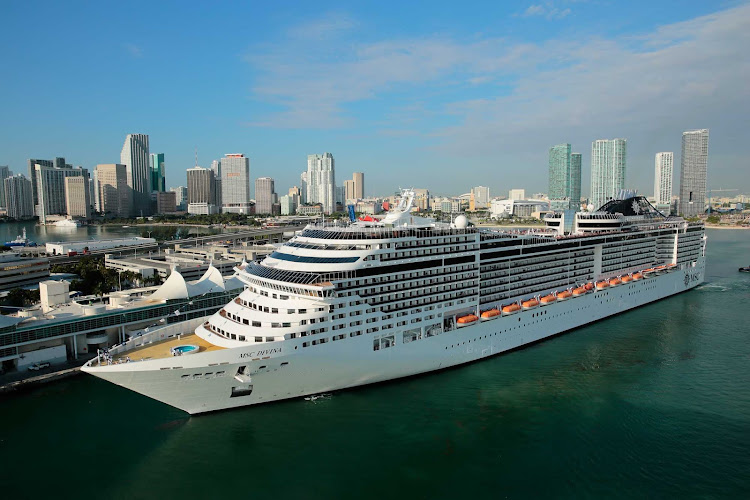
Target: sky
437, 95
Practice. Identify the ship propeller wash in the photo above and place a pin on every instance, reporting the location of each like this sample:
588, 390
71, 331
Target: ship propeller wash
344, 306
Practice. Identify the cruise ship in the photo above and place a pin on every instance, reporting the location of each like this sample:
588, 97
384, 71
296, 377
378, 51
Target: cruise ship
344, 305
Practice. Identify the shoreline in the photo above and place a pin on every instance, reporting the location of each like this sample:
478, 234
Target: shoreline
725, 226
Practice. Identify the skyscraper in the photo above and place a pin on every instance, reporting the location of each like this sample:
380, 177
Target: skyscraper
135, 157
181, 196
663, 167
50, 183
321, 181
4, 174
32, 178
77, 197
201, 186
17, 191
481, 195
265, 196
693, 172
235, 184
359, 185
608, 161
559, 172
349, 193
576, 159
303, 189
158, 172
113, 191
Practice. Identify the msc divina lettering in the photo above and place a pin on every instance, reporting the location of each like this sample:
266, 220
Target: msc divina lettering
349, 305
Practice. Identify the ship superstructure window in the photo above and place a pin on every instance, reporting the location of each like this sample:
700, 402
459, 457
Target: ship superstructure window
313, 260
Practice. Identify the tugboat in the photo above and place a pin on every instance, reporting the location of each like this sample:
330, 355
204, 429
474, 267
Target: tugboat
21, 241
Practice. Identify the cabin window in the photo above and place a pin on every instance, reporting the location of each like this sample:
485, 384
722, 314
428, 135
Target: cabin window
259, 339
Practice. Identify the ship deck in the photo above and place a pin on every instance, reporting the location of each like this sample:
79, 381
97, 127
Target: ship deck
163, 349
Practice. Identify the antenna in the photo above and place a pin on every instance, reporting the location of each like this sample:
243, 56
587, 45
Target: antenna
196, 156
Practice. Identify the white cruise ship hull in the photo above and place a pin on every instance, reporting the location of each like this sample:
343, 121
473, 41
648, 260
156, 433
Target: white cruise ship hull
208, 381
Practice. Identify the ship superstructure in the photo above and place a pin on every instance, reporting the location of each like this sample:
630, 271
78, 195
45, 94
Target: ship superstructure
345, 305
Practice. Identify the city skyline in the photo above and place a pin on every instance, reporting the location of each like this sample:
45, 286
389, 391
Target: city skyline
433, 94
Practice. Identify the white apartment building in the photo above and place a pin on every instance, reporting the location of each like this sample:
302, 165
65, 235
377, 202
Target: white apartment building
235, 184
321, 181
663, 168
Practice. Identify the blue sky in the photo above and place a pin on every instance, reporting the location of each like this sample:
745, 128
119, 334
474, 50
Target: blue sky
442, 95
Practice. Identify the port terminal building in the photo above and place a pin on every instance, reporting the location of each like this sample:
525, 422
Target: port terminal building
61, 328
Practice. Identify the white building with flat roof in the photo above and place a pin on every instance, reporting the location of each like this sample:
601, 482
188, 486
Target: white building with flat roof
235, 184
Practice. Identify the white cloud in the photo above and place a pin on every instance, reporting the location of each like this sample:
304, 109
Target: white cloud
548, 10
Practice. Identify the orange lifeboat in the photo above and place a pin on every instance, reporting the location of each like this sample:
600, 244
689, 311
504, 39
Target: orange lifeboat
511, 309
489, 314
467, 320
530, 304
580, 291
637, 276
627, 279
564, 295
588, 286
602, 285
660, 269
547, 299
615, 282
648, 272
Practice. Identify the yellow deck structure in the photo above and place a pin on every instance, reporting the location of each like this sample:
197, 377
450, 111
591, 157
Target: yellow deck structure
162, 349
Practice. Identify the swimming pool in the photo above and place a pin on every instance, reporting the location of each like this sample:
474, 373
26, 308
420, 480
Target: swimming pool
184, 349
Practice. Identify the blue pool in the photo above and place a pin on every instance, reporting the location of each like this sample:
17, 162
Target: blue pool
184, 349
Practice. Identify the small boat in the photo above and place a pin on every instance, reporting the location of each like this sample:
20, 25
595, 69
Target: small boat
125, 226
510, 309
648, 272
615, 282
489, 314
602, 285
547, 299
68, 223
660, 269
21, 241
564, 295
637, 276
530, 304
588, 286
745, 269
627, 278
580, 291
466, 320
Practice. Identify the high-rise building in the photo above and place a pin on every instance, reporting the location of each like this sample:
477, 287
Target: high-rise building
288, 204
295, 191
663, 167
181, 196
321, 181
608, 162
18, 196
50, 183
77, 196
4, 174
359, 185
235, 184
32, 177
349, 193
564, 177
201, 186
303, 189
576, 160
517, 194
113, 190
481, 196
158, 172
135, 156
216, 169
166, 202
693, 172
265, 196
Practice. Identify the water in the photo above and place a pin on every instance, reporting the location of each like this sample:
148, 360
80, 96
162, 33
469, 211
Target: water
651, 403
46, 234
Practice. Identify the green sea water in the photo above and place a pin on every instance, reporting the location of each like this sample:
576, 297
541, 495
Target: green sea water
653, 403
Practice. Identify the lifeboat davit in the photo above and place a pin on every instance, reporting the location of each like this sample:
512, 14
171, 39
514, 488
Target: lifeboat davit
467, 320
671, 267
627, 279
637, 276
588, 286
511, 309
660, 269
580, 291
615, 282
489, 314
565, 295
530, 304
602, 285
648, 272
547, 299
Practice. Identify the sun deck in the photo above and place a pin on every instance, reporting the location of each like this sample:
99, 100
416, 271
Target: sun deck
162, 349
